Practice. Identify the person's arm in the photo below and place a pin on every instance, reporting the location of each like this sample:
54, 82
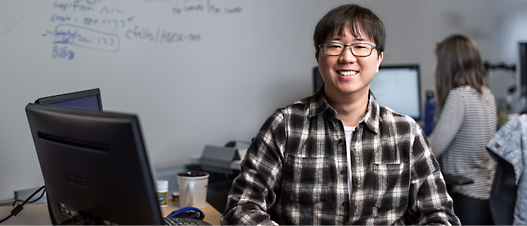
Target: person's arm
448, 124
253, 191
429, 201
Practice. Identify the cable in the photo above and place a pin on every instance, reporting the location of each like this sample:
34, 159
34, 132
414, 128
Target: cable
41, 195
1, 221
19, 207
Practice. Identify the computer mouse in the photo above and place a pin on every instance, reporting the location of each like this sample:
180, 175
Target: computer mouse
187, 212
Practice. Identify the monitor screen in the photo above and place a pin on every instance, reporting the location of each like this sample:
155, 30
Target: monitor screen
94, 166
522, 67
398, 88
85, 99
317, 79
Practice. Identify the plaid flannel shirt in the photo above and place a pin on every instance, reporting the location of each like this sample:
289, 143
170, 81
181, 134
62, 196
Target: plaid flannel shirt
295, 171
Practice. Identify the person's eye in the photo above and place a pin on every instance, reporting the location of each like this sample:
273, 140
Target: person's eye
360, 46
334, 46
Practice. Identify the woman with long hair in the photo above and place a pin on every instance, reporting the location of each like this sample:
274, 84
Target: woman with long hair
466, 123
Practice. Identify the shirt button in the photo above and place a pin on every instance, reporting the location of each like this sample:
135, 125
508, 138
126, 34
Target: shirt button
343, 203
340, 141
497, 145
342, 172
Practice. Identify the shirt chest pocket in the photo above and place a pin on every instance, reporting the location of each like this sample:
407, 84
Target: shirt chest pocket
306, 180
389, 185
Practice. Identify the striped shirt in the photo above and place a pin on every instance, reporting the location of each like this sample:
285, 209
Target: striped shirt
464, 127
295, 171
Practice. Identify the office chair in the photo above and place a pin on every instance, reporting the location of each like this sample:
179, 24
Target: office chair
503, 193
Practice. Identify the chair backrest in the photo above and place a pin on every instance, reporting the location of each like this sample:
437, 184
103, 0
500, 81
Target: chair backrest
503, 193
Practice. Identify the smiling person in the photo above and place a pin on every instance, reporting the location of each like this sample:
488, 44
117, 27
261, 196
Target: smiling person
339, 157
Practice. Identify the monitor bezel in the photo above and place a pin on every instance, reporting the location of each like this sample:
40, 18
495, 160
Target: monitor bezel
50, 100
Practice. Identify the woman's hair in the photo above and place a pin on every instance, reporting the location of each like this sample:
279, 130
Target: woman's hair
359, 19
458, 64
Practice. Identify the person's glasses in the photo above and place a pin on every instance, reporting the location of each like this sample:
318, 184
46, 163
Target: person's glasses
357, 49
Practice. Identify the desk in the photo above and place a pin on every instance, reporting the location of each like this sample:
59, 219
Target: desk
211, 215
37, 214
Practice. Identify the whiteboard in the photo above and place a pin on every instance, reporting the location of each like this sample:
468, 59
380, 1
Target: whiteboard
196, 72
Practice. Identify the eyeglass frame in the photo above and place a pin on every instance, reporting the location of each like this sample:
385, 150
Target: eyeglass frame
344, 49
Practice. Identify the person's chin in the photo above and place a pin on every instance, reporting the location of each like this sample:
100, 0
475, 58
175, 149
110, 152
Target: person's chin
351, 90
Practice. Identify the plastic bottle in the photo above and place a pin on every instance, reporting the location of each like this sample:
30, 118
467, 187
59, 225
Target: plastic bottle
430, 111
162, 192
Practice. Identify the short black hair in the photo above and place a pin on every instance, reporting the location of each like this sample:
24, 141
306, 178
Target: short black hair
357, 18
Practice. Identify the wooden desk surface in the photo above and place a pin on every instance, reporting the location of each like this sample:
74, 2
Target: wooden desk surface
212, 215
37, 214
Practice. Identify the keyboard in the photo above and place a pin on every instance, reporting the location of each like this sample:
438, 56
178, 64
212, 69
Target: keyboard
184, 221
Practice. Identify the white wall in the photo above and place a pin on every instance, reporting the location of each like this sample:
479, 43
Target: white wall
193, 93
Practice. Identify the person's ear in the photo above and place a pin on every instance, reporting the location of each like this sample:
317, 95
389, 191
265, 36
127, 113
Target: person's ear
316, 55
381, 56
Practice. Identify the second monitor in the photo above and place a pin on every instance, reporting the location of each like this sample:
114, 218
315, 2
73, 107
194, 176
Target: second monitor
398, 87
84, 99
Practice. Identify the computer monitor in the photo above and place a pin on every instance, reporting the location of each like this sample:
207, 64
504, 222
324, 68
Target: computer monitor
94, 165
85, 99
317, 79
398, 87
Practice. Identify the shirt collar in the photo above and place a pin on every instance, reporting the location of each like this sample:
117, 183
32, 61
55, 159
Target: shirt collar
318, 104
372, 119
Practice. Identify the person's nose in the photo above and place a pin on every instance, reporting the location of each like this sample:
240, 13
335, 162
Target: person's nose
347, 56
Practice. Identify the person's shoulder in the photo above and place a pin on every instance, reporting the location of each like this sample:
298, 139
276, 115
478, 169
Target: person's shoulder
300, 106
461, 91
459, 95
467, 91
487, 93
303, 102
404, 125
388, 114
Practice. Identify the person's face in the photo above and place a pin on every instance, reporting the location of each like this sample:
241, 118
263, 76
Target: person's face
348, 74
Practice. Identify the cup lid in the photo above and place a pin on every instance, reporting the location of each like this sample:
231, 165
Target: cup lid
193, 174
